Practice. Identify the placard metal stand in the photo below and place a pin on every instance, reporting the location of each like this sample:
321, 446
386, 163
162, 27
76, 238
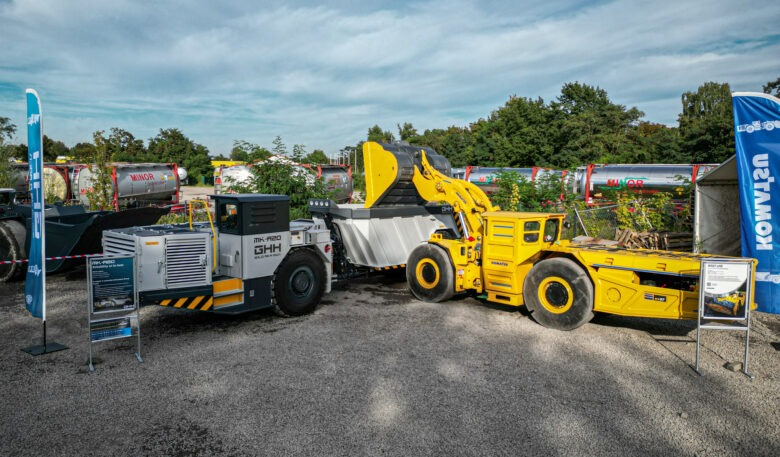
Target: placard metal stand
725, 294
113, 301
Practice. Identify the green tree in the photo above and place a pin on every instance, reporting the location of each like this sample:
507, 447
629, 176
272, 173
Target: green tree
7, 151
590, 128
124, 147
100, 193
7, 129
53, 148
515, 135
285, 179
171, 145
248, 152
707, 123
83, 152
279, 146
407, 132
376, 133
773, 86
455, 143
299, 152
316, 157
658, 144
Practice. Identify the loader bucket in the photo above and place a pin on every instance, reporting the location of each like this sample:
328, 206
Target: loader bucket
389, 171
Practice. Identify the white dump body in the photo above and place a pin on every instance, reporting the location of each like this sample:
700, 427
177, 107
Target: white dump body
384, 237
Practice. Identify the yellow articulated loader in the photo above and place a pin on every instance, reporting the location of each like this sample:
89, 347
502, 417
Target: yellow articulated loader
452, 240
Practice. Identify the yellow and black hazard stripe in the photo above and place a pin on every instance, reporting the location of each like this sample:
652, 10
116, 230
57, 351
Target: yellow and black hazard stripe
458, 224
392, 267
202, 302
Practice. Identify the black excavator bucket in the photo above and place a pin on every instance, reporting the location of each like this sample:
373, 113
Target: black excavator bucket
389, 171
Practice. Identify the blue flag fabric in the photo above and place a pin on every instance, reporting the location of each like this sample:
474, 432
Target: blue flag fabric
757, 136
35, 282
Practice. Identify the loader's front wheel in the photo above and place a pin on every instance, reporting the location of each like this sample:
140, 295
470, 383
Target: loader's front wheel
559, 294
299, 283
429, 274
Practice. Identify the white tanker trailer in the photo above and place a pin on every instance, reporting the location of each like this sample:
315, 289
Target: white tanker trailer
592, 181
56, 184
486, 178
336, 178
132, 184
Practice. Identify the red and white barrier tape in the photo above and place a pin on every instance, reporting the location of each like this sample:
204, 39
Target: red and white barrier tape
62, 257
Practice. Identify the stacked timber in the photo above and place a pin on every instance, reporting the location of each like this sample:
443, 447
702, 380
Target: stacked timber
668, 241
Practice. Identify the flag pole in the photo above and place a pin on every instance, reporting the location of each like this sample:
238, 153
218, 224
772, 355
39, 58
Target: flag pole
35, 281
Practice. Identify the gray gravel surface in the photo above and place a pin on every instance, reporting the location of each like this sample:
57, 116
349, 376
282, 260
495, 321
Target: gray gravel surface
375, 372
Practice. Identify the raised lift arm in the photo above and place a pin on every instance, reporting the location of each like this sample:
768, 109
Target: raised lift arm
405, 175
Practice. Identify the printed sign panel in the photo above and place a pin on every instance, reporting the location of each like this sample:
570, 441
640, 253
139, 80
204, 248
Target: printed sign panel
725, 288
112, 284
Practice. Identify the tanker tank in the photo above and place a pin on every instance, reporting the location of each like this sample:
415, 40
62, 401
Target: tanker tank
56, 184
337, 180
486, 178
133, 184
225, 177
591, 182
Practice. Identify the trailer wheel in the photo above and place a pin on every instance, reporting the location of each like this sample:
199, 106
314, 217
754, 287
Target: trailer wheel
12, 239
299, 283
559, 294
429, 274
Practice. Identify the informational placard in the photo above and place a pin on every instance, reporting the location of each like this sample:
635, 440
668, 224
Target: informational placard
112, 284
725, 289
113, 301
725, 295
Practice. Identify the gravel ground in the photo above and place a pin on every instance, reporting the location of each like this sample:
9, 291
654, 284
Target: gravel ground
375, 372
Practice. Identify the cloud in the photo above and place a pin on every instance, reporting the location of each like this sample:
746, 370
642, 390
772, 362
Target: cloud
321, 75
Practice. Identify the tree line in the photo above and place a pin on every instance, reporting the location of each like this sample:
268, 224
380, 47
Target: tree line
581, 125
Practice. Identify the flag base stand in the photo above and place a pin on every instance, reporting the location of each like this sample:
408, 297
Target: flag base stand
44, 349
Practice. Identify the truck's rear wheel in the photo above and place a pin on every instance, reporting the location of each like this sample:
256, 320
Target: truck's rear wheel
12, 239
559, 294
299, 283
429, 274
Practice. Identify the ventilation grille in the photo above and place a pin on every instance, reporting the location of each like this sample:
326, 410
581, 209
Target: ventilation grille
115, 244
185, 261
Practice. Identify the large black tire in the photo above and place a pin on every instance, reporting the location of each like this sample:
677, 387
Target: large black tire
12, 238
299, 283
429, 274
559, 294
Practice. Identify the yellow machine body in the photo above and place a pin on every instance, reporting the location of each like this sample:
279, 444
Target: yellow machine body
497, 251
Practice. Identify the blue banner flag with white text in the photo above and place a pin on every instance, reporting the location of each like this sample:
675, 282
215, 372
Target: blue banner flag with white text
35, 282
757, 141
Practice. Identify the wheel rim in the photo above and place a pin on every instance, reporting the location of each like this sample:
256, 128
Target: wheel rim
555, 295
428, 274
301, 282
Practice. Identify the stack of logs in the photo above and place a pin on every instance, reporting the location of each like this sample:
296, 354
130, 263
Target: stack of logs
669, 241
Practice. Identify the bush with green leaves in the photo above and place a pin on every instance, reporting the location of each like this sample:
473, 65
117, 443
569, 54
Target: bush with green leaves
545, 194
282, 178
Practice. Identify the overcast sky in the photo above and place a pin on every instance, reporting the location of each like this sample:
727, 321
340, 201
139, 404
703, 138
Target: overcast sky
321, 73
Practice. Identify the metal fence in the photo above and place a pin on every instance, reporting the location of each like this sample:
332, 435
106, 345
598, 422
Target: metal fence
599, 222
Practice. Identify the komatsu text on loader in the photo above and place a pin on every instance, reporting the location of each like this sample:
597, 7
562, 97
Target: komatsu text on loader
452, 240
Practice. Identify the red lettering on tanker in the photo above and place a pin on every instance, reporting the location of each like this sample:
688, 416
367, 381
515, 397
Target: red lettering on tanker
631, 183
142, 176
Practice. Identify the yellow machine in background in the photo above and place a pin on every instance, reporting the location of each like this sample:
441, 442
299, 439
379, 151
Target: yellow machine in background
517, 258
